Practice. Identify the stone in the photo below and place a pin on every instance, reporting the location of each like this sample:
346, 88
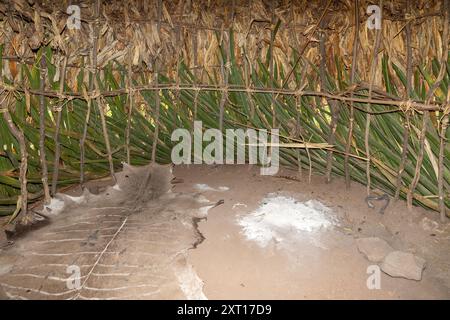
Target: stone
400, 264
375, 249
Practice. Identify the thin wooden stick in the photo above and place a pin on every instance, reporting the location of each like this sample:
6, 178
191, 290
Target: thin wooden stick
302, 50
413, 104
157, 93
426, 115
42, 111
442, 146
406, 129
194, 116
91, 87
101, 105
368, 115
130, 86
83, 141
57, 128
423, 131
309, 161
352, 110
331, 103
195, 60
298, 99
247, 81
248, 69
444, 126
224, 72
130, 108
225, 68
148, 174
157, 113
298, 104
23, 216
176, 96
271, 66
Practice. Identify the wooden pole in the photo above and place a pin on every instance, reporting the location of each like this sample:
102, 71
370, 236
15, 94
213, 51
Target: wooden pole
93, 75
426, 115
42, 112
224, 72
369, 107
130, 108
157, 92
406, 130
352, 109
57, 128
333, 105
23, 217
444, 125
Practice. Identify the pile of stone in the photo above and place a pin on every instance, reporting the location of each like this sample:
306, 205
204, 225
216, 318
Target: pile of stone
395, 263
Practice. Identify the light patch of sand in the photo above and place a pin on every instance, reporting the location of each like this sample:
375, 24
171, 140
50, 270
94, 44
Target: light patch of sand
281, 217
55, 207
190, 283
205, 187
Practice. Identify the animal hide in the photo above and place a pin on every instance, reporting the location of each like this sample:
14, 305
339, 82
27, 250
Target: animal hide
128, 242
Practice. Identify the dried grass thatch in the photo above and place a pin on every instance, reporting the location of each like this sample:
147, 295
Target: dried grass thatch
187, 30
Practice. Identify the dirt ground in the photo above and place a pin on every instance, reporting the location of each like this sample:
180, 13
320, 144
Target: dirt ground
162, 249
324, 265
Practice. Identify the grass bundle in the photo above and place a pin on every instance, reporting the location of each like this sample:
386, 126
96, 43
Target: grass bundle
300, 119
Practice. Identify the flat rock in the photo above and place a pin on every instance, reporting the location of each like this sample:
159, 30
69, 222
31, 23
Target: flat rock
375, 249
403, 265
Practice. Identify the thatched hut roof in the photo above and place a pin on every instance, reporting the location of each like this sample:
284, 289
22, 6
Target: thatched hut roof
136, 30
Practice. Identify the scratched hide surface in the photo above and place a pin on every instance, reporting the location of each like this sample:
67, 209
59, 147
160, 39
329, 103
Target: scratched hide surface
130, 242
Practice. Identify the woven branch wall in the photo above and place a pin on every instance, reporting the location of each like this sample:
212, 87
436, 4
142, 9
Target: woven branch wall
83, 100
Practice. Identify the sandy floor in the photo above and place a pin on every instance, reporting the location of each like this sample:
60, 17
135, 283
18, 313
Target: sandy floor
321, 265
160, 250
